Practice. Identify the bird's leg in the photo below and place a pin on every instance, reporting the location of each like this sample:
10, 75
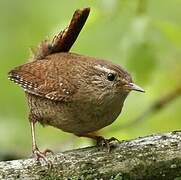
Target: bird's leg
35, 149
101, 141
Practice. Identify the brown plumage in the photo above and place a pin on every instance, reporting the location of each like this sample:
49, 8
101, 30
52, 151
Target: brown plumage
75, 93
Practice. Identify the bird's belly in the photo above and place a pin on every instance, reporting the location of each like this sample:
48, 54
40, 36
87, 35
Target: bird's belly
82, 122
76, 118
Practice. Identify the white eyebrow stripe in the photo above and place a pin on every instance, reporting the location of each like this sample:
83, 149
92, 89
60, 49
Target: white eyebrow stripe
104, 69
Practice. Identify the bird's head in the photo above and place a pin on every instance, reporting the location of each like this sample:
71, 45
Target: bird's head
114, 79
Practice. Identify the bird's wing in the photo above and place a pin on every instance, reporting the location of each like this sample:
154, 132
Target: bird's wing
35, 78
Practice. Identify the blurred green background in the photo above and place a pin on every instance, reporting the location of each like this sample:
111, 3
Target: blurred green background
144, 36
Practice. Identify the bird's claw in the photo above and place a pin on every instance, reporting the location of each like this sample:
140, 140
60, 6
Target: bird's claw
108, 143
42, 155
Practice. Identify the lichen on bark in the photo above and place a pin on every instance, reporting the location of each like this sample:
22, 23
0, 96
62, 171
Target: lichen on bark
152, 157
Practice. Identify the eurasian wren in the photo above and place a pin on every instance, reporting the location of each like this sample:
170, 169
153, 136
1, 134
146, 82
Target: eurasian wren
75, 93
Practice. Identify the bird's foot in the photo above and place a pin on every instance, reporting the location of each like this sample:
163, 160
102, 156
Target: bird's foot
101, 141
42, 155
108, 143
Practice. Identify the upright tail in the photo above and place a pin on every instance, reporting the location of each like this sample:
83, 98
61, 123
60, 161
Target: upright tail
66, 38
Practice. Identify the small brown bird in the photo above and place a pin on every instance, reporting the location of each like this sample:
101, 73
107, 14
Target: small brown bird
72, 92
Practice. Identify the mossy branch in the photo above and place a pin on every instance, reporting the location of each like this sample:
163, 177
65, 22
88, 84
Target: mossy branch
152, 157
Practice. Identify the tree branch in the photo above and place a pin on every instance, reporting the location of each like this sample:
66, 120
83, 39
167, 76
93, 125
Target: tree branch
152, 157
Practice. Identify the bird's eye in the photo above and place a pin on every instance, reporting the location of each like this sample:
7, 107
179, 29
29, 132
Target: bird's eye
111, 77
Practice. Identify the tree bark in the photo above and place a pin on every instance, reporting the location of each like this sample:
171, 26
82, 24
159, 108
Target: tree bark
152, 157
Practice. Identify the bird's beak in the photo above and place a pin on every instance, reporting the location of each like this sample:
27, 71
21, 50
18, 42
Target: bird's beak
134, 87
